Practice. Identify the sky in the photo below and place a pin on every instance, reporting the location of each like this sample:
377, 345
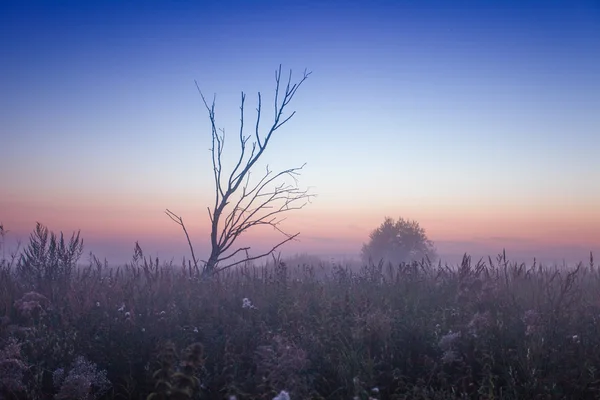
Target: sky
479, 120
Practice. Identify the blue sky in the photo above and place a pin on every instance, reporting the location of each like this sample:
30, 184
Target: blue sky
478, 119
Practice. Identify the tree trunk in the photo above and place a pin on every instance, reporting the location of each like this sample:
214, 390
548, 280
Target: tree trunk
211, 265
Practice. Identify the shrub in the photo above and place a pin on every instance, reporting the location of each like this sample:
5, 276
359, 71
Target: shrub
49, 260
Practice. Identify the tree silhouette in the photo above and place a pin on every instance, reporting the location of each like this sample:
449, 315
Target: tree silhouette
239, 204
397, 242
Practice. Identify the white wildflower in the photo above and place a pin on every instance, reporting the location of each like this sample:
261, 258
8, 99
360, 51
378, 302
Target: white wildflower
195, 330
450, 356
97, 304
575, 338
127, 314
246, 303
122, 308
283, 395
83, 376
447, 341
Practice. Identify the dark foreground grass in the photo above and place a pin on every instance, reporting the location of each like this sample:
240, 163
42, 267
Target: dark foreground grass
493, 330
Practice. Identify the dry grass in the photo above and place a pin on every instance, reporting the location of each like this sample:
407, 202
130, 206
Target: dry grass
491, 330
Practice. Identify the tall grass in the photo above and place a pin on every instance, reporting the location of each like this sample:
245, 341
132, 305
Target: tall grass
486, 330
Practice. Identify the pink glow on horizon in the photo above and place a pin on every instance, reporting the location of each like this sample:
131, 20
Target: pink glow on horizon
335, 231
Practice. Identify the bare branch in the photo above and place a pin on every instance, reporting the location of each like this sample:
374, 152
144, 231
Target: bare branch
287, 97
243, 141
216, 140
236, 223
177, 219
244, 249
261, 255
266, 219
258, 119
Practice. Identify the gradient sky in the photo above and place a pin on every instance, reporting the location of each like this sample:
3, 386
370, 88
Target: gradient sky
480, 120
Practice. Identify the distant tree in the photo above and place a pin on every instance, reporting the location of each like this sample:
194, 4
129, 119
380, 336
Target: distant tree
397, 242
239, 204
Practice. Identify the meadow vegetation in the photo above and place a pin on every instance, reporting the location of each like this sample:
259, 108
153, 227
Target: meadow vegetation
487, 329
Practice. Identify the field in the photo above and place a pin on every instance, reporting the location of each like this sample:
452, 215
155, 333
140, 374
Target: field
481, 330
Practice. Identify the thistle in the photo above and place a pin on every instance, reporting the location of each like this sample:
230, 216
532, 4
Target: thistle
174, 381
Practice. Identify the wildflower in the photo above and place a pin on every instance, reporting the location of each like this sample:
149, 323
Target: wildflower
35, 296
58, 376
280, 362
480, 322
375, 390
450, 356
127, 314
12, 368
97, 304
283, 395
27, 307
83, 381
447, 341
575, 338
32, 303
11, 374
143, 330
246, 303
195, 330
531, 318
122, 308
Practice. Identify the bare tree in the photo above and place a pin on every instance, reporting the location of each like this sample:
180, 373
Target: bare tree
252, 204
